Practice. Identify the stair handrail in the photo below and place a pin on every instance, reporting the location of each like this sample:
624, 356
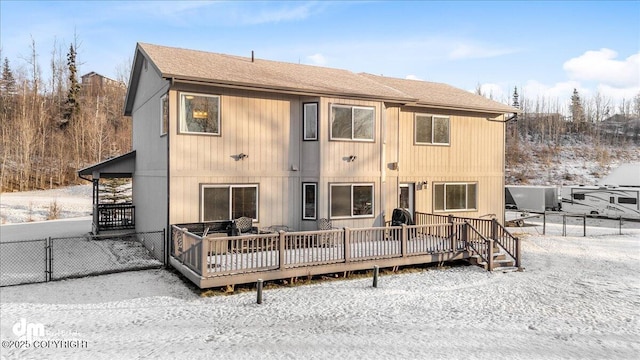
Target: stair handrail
486, 255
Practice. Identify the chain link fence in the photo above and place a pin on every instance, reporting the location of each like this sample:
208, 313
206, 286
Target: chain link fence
33, 261
563, 224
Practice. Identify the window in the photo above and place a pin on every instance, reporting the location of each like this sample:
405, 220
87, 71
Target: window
627, 200
310, 111
227, 202
578, 196
164, 115
199, 114
431, 130
309, 194
352, 123
454, 196
350, 200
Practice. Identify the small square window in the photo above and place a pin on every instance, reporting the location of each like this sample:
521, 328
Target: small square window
455, 196
351, 200
431, 130
228, 202
309, 203
200, 114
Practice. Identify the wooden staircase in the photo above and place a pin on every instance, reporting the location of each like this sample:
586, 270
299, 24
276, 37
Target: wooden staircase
501, 260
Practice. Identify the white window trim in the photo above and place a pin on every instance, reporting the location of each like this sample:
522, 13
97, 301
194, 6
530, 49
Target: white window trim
162, 114
230, 187
352, 185
182, 126
445, 196
304, 121
353, 107
433, 117
304, 200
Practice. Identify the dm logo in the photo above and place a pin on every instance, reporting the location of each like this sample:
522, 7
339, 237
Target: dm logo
27, 331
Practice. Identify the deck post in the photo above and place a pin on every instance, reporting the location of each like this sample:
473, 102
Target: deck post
347, 244
376, 272
454, 240
494, 229
490, 254
405, 236
281, 250
259, 288
204, 271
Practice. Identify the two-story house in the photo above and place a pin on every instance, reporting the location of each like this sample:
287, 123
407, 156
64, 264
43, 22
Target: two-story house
217, 137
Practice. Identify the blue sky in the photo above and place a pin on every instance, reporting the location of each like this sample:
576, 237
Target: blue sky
545, 48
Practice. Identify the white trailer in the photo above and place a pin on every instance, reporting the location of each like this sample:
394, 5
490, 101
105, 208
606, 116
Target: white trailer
532, 198
600, 200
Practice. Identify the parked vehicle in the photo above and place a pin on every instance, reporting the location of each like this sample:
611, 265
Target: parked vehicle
601, 200
532, 198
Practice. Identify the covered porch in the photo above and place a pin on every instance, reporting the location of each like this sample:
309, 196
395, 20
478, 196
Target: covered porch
114, 215
211, 260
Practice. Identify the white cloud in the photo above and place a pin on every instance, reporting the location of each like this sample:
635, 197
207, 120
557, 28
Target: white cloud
469, 50
317, 59
602, 66
412, 77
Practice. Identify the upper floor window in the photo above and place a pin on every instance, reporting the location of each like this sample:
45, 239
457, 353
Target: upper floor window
454, 196
352, 123
199, 114
431, 129
310, 121
228, 202
350, 200
164, 115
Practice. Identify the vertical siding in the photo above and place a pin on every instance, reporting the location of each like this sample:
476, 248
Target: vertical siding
475, 154
150, 176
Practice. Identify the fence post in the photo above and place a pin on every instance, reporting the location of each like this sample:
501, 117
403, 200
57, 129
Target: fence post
48, 266
564, 225
167, 243
281, 250
376, 271
584, 225
518, 253
544, 222
620, 226
347, 244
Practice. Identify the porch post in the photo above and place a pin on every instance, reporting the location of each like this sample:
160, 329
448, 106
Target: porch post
281, 250
347, 245
405, 235
518, 253
490, 255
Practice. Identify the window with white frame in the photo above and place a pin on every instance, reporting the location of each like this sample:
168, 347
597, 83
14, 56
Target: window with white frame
352, 123
455, 196
199, 114
431, 130
310, 111
350, 200
309, 202
228, 202
164, 115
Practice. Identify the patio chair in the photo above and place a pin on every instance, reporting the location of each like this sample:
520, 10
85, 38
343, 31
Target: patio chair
324, 239
244, 225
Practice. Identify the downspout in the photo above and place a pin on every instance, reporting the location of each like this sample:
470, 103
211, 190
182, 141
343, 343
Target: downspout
168, 225
383, 160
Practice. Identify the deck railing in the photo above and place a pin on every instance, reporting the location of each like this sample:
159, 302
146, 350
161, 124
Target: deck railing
217, 255
115, 216
490, 229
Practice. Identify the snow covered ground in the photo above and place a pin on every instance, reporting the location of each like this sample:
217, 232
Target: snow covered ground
29, 206
579, 298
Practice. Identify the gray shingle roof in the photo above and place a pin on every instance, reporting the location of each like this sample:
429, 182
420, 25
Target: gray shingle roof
229, 70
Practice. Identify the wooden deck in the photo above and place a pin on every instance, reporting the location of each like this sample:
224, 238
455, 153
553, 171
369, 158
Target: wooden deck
219, 260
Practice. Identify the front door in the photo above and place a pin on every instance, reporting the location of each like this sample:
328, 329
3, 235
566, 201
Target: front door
405, 197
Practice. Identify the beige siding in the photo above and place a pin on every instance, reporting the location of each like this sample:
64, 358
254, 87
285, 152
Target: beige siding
475, 154
268, 129
150, 176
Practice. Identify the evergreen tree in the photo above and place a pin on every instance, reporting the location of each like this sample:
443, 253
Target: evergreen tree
8, 82
516, 102
72, 105
577, 111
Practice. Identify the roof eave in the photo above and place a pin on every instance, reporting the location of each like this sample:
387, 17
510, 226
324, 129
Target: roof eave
486, 110
282, 89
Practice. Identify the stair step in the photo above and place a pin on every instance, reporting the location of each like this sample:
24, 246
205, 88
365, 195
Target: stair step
506, 269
